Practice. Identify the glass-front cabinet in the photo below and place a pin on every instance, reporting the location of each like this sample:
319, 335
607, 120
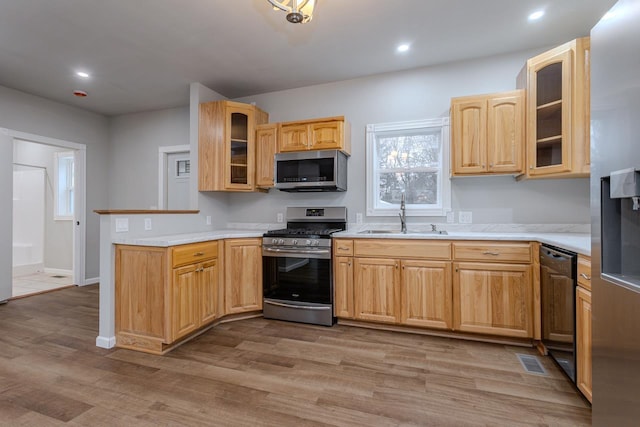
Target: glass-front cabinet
558, 111
227, 146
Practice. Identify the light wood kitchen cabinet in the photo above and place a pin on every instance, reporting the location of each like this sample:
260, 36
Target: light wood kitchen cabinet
487, 134
377, 289
583, 328
243, 275
164, 294
493, 290
426, 294
343, 287
266, 144
226, 145
404, 282
558, 111
330, 133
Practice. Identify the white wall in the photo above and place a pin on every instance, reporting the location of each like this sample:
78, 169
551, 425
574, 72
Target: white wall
411, 95
133, 154
28, 113
28, 219
58, 235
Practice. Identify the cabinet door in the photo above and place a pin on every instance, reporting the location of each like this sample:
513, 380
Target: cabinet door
505, 133
550, 113
426, 294
468, 135
493, 299
240, 146
265, 152
243, 275
583, 341
184, 301
376, 289
209, 274
293, 138
327, 135
343, 287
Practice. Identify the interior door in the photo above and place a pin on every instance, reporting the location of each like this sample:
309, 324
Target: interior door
6, 215
178, 176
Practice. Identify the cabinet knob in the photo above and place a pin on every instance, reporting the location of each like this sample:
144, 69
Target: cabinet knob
490, 165
585, 276
396, 265
198, 254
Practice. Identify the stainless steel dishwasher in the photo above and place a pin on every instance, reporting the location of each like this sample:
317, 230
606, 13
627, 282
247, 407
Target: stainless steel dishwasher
558, 293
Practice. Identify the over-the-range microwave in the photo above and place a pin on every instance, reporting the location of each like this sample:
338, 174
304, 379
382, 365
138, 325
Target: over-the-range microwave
307, 171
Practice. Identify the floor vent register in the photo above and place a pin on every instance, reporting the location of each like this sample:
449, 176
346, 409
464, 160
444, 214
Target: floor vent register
531, 364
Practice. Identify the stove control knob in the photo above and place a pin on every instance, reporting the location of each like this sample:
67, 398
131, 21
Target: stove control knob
308, 242
274, 241
315, 242
281, 241
294, 242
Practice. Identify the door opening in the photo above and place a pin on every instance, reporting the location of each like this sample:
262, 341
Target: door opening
174, 175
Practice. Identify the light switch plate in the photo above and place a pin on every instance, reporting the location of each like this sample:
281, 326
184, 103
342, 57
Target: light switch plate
465, 217
122, 225
147, 224
280, 217
208, 219
359, 218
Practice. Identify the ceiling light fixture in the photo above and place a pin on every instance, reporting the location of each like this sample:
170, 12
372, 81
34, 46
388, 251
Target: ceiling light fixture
298, 11
403, 47
536, 15
80, 93
82, 74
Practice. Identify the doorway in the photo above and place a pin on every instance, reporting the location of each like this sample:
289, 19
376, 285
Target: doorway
48, 212
174, 175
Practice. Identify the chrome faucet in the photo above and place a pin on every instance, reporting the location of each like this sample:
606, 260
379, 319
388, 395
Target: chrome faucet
403, 215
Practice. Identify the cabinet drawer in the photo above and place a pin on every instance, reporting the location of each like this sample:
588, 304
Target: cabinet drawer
584, 271
403, 248
195, 252
343, 247
490, 251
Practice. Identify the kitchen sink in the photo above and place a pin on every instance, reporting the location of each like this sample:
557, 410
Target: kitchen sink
426, 233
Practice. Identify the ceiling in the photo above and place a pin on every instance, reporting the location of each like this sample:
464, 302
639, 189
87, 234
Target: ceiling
142, 54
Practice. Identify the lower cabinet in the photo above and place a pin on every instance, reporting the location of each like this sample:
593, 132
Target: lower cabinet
495, 299
343, 287
377, 290
243, 275
164, 294
583, 328
426, 297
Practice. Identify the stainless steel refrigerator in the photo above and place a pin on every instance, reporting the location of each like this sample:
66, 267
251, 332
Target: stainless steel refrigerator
615, 212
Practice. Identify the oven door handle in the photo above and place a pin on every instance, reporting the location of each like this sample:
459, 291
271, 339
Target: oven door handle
305, 307
298, 251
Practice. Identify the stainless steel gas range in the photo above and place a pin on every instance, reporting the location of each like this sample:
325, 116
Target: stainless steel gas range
297, 266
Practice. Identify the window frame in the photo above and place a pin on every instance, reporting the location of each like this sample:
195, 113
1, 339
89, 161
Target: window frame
444, 188
70, 190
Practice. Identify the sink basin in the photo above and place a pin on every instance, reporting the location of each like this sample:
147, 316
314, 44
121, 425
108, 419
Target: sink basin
426, 233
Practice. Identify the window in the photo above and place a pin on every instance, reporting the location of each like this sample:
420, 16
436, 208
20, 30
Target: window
64, 186
183, 168
410, 157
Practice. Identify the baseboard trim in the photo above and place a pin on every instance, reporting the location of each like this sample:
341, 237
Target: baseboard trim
105, 342
90, 281
26, 269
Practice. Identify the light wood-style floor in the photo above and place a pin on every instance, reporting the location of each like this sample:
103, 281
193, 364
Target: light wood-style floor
260, 372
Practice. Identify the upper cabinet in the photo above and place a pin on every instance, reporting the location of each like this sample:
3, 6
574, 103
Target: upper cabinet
266, 145
330, 133
558, 112
226, 145
487, 134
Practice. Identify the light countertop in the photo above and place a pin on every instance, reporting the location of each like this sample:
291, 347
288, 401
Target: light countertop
576, 242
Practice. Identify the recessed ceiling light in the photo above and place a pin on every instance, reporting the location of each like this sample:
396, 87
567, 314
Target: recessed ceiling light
536, 15
403, 47
82, 74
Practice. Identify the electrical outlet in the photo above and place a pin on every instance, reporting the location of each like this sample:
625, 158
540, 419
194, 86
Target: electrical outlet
122, 225
359, 218
280, 217
208, 219
451, 218
465, 217
147, 224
